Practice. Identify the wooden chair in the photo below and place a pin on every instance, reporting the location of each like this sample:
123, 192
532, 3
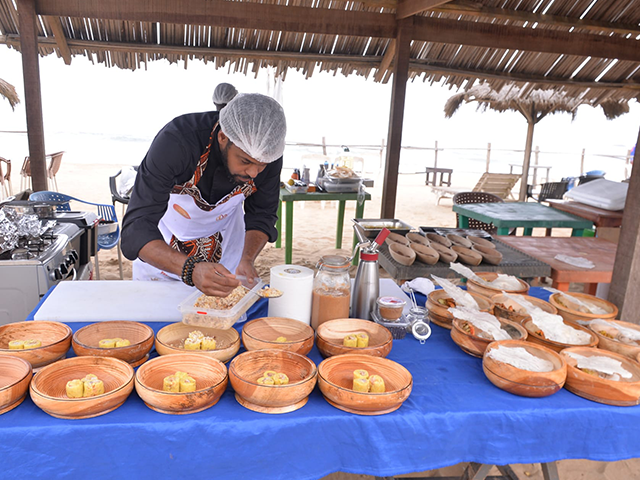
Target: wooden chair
498, 184
5, 179
54, 166
25, 174
462, 198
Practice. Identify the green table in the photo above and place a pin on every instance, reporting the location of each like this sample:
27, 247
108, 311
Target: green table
520, 214
288, 198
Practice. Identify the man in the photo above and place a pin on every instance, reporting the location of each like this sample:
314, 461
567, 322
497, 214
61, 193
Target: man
223, 94
185, 218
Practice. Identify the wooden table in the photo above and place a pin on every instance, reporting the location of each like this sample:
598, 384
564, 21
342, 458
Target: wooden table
510, 215
435, 172
601, 252
601, 218
288, 198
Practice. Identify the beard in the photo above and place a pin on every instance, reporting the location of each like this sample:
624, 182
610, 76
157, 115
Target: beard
237, 179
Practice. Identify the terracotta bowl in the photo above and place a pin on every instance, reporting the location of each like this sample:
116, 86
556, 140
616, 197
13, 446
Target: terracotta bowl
475, 345
335, 378
440, 314
55, 338
418, 238
525, 382
170, 339
15, 375
572, 313
518, 314
261, 334
48, 386
85, 341
553, 345
624, 392
446, 254
459, 240
210, 375
614, 344
397, 238
329, 337
439, 239
402, 254
247, 367
489, 254
481, 241
489, 292
466, 255
425, 254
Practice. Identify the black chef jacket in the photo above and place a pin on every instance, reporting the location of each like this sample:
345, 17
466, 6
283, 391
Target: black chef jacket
172, 160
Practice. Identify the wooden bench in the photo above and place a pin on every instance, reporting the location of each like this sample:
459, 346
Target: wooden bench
499, 184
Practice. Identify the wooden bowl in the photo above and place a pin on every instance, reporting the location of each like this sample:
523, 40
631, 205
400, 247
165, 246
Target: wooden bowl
525, 382
335, 378
489, 292
481, 241
15, 375
446, 254
329, 337
85, 341
440, 314
247, 367
458, 240
170, 339
55, 338
475, 345
425, 254
614, 344
209, 373
466, 255
402, 254
261, 334
48, 386
397, 238
439, 239
518, 314
573, 314
489, 254
553, 345
418, 238
622, 393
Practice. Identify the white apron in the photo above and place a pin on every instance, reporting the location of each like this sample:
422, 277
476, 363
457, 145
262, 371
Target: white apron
196, 228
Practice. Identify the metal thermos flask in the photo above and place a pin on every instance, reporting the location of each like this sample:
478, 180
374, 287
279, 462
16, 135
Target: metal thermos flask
366, 287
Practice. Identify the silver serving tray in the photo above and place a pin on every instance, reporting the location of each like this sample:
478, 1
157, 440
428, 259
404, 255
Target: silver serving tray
373, 226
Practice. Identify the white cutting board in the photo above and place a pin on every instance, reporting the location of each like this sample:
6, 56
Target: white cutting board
97, 301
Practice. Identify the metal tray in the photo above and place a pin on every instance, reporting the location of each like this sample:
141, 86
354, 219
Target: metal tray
373, 226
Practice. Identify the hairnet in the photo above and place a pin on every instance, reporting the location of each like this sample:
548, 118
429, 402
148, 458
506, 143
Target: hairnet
256, 124
224, 93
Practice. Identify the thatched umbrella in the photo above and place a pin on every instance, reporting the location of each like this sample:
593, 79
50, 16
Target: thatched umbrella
534, 105
8, 91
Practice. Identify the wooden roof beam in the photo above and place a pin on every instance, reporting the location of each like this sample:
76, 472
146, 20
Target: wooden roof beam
61, 41
386, 61
407, 8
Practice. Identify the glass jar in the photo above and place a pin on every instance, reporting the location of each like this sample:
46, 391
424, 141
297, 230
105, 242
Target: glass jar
417, 314
331, 290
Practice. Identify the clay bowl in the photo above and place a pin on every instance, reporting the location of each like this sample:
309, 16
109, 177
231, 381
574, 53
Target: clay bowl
439, 239
489, 292
402, 254
446, 254
553, 345
85, 341
466, 255
210, 375
624, 392
518, 314
48, 386
614, 344
489, 254
571, 313
396, 238
55, 338
481, 241
418, 238
261, 333
335, 378
525, 382
440, 314
475, 345
170, 339
425, 254
247, 367
15, 375
329, 337
459, 240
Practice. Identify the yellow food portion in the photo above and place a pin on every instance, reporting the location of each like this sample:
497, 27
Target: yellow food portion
192, 344
32, 344
373, 383
361, 385
88, 377
93, 387
208, 343
360, 374
107, 343
376, 384
281, 379
196, 335
350, 341
171, 384
16, 344
269, 373
89, 386
75, 388
281, 339
179, 382
187, 384
271, 377
266, 381
363, 340
181, 375
122, 342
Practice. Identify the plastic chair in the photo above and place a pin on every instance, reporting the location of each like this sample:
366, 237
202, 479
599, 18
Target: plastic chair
549, 191
105, 241
477, 197
115, 195
54, 166
5, 179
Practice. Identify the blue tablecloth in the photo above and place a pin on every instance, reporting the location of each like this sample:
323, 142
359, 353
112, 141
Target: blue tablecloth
454, 414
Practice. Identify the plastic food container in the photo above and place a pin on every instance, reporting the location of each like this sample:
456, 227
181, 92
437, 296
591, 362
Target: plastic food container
397, 328
222, 319
390, 308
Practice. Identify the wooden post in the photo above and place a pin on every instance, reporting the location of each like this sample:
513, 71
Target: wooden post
435, 159
535, 163
582, 163
525, 164
396, 114
27, 20
625, 281
381, 155
324, 146
488, 156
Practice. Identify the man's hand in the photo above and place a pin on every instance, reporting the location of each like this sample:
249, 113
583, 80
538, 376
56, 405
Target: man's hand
213, 279
246, 269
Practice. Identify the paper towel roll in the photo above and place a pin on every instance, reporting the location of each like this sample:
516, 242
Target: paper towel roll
296, 283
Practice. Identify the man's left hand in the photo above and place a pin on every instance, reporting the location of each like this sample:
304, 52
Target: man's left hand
246, 269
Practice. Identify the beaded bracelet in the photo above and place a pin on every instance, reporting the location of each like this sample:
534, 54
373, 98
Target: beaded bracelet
187, 269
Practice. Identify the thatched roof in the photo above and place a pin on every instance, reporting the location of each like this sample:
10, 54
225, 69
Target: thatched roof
8, 91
